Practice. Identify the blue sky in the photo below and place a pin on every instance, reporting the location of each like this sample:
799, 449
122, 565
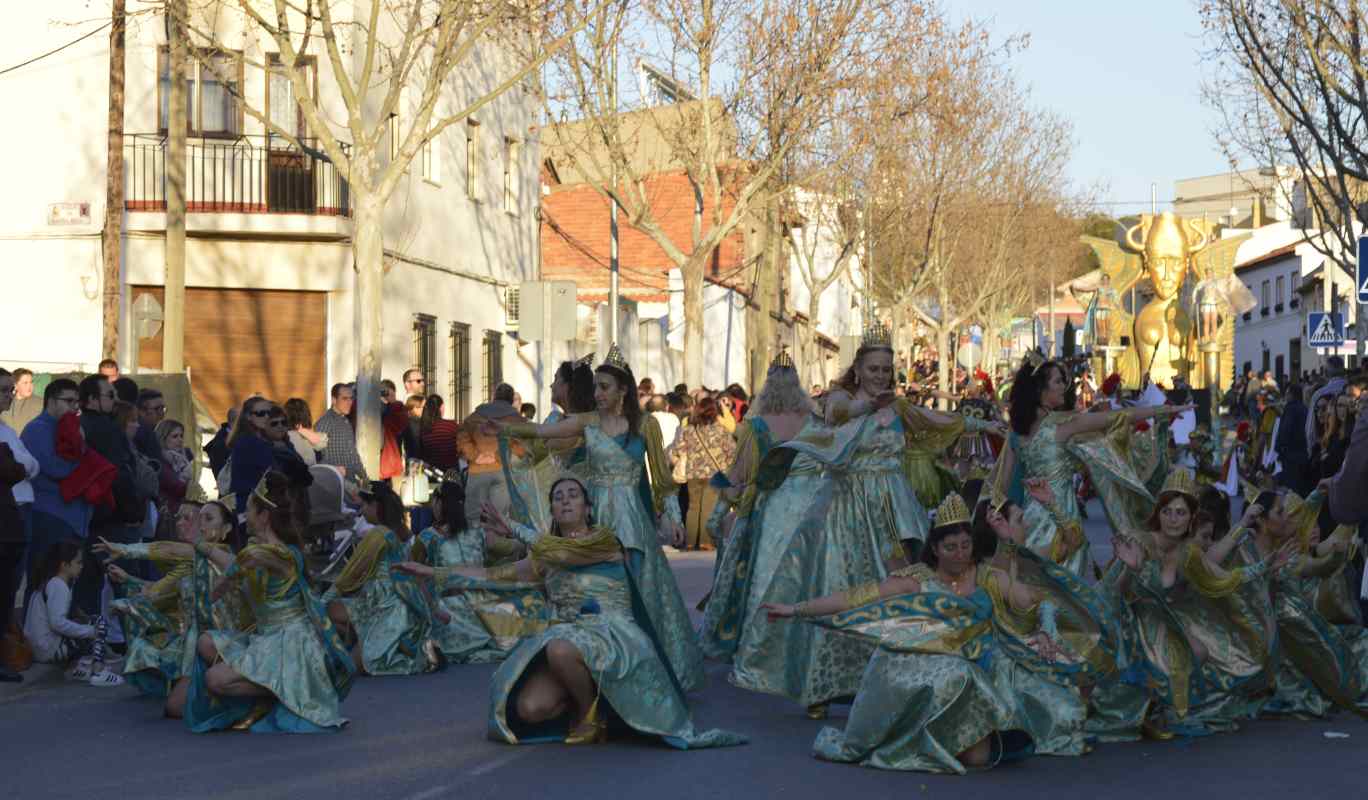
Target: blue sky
1126, 75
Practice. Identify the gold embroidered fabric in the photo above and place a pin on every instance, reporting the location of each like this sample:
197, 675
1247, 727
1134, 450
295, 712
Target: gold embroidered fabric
860, 595
561, 551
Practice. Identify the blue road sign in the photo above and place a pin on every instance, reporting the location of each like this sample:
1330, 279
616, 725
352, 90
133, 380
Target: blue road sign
1324, 330
1361, 271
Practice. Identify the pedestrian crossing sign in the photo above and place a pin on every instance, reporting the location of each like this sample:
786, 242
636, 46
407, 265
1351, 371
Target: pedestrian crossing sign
1324, 330
1361, 272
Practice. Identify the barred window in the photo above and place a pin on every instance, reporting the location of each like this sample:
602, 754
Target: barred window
460, 370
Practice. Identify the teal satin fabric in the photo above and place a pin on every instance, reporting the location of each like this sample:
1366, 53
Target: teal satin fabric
390, 616
595, 609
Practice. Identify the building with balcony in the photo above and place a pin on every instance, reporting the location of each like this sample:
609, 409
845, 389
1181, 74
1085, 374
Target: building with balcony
269, 278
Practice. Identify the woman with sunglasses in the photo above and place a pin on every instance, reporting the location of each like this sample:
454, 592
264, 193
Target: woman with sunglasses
259, 441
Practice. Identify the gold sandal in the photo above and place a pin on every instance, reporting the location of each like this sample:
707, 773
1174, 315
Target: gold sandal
257, 714
597, 732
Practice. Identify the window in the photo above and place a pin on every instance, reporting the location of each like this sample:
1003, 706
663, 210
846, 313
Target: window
1278, 295
1278, 364
1263, 302
394, 131
425, 347
1294, 289
511, 307
1265, 362
493, 362
472, 157
213, 83
282, 103
510, 176
1294, 356
460, 370
431, 156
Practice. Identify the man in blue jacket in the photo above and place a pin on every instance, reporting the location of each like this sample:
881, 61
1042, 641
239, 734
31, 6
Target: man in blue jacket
53, 518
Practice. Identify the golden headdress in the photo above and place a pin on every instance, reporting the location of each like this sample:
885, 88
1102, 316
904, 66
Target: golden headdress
1181, 481
877, 334
586, 361
260, 492
782, 359
952, 511
615, 360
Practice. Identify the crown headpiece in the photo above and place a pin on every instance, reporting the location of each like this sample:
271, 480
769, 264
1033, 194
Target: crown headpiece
1181, 481
1251, 491
586, 361
877, 334
952, 511
615, 360
260, 492
782, 359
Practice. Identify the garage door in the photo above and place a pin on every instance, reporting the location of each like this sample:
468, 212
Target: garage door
241, 342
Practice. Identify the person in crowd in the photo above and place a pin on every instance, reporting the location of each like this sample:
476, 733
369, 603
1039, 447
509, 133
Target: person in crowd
108, 435
1339, 430
645, 388
384, 614
438, 436
56, 638
1334, 385
1347, 498
126, 389
485, 482
394, 423
25, 406
54, 517
415, 383
307, 442
726, 409
17, 468
572, 390
109, 370
291, 671
740, 400
341, 448
413, 434
603, 659
217, 450
705, 449
1291, 444
659, 407
151, 411
637, 502
177, 469
259, 442
529, 412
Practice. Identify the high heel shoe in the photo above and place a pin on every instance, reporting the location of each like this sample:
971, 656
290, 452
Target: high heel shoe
257, 714
591, 729
436, 659
818, 710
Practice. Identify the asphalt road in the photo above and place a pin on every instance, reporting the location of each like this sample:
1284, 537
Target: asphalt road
422, 738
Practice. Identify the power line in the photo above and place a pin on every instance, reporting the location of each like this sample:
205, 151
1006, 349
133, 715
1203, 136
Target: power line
58, 50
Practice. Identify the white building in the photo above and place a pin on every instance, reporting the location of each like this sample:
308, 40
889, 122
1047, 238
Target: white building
269, 299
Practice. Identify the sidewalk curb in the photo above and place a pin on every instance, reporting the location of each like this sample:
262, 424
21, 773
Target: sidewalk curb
36, 678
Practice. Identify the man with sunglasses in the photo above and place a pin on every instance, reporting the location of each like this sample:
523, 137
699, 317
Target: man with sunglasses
414, 382
53, 518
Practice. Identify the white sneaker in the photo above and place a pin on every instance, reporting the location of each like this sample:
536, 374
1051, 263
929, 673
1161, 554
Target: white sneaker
106, 678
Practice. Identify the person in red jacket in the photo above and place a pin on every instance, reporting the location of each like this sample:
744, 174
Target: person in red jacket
394, 421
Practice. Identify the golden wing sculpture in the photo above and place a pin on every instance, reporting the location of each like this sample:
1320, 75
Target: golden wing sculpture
1122, 266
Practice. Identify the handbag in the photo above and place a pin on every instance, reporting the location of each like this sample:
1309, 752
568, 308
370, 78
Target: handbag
416, 489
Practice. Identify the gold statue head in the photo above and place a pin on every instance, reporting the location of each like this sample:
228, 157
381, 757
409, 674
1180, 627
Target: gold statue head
1167, 247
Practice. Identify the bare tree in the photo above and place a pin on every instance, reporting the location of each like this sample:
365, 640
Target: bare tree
1291, 84
372, 54
748, 81
112, 234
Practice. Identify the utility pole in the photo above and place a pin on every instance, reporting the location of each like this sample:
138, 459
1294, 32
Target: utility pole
613, 265
173, 333
111, 238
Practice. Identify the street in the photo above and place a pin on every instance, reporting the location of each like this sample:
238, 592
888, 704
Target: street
420, 738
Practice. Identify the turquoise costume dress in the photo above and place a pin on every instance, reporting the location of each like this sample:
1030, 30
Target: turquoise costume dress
929, 692
485, 625
1325, 647
388, 611
1207, 643
293, 651
626, 500
596, 606
1121, 464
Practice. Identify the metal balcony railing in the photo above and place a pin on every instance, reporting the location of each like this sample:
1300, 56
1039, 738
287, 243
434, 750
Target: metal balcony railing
244, 174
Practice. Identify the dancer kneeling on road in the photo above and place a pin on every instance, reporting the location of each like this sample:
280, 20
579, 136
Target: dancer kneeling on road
600, 662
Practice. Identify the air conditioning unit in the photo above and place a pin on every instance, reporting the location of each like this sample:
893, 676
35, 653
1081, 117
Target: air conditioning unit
511, 308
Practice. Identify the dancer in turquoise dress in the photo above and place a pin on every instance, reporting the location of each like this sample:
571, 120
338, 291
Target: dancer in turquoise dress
291, 670
386, 615
472, 627
602, 661
1055, 445
637, 503
942, 692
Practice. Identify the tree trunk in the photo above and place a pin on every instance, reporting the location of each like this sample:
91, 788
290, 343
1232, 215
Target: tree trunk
767, 291
693, 320
813, 357
173, 333
943, 365
368, 250
112, 235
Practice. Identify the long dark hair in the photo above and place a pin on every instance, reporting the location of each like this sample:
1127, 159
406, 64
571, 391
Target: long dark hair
1027, 387
1164, 499
287, 501
432, 411
631, 407
1215, 504
847, 380
588, 503
391, 513
940, 534
581, 396
450, 497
